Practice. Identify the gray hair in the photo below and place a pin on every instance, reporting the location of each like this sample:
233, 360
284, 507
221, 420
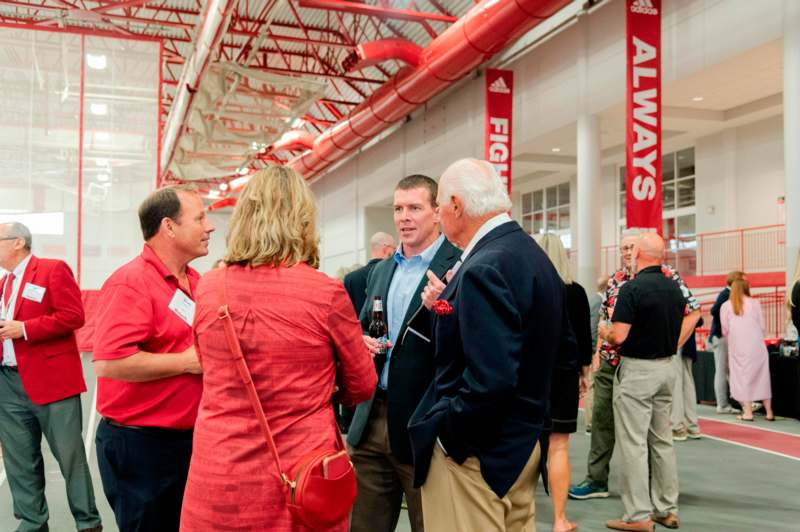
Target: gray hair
477, 184
554, 249
18, 230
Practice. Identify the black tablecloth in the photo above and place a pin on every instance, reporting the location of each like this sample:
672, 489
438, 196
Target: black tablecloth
784, 373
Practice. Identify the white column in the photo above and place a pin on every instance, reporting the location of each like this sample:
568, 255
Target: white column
590, 192
791, 130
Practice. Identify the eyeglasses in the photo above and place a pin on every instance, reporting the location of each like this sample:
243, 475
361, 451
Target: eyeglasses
9, 238
626, 248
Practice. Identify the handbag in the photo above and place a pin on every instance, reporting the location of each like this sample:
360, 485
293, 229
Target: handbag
321, 491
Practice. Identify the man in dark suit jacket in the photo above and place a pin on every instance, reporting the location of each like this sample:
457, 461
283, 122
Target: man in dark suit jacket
500, 324
378, 435
381, 246
41, 381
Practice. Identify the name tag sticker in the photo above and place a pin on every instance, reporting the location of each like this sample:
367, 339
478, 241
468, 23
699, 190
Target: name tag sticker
183, 306
33, 292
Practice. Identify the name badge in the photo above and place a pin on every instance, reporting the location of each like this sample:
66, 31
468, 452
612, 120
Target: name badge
183, 306
33, 292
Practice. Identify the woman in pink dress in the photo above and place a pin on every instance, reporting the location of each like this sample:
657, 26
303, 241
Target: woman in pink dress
743, 326
301, 340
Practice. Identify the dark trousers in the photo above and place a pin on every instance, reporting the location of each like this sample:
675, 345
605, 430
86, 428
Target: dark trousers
602, 442
144, 474
22, 425
382, 480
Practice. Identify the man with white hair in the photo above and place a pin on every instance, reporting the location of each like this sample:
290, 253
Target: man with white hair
41, 381
499, 326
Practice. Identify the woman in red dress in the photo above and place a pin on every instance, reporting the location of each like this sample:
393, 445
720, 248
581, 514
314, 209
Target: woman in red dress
300, 338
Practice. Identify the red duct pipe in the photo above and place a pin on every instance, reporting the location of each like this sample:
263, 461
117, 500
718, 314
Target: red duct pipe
293, 139
371, 53
481, 33
221, 204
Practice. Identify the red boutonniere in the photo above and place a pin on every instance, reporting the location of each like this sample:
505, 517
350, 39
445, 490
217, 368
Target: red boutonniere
442, 308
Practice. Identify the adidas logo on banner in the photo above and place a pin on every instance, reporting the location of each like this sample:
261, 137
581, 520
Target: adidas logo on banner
499, 85
644, 7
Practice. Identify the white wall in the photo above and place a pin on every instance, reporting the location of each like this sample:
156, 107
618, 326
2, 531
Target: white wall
696, 35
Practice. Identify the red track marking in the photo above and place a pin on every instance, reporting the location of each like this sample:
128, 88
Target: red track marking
764, 440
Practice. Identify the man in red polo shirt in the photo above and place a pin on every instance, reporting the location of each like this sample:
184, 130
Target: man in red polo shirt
149, 382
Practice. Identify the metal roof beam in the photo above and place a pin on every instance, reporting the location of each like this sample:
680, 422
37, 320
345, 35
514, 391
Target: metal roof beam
376, 11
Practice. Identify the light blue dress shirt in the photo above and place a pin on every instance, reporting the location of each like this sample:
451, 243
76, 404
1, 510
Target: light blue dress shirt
407, 276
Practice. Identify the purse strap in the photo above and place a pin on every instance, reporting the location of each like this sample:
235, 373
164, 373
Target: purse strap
247, 379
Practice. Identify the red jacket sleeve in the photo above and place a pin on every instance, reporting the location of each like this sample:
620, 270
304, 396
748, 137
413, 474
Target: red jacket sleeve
356, 372
65, 314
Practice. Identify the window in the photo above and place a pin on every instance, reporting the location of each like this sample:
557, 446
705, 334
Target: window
547, 211
678, 199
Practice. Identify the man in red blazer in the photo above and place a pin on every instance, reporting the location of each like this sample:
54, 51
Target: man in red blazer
41, 380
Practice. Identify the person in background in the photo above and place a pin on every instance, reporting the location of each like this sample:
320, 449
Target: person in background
684, 395
605, 362
565, 388
148, 375
41, 381
793, 296
595, 314
299, 336
651, 320
381, 246
743, 326
720, 345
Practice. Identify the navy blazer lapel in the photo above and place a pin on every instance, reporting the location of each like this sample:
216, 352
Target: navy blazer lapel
439, 265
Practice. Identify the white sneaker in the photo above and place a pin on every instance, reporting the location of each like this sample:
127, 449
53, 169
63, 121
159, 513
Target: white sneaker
728, 410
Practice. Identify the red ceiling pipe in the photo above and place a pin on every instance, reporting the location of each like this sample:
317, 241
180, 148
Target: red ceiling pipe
294, 139
221, 204
482, 32
375, 52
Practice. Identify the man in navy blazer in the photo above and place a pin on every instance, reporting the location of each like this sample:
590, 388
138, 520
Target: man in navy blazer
499, 326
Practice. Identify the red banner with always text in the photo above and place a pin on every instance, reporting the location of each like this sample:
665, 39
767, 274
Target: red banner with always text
643, 115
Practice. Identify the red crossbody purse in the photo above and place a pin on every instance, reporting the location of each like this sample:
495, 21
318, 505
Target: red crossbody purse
323, 488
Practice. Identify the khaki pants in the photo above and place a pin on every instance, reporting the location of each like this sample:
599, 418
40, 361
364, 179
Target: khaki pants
684, 396
381, 480
457, 498
642, 408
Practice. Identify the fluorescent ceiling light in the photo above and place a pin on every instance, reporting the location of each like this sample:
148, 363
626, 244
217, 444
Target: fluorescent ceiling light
102, 135
555, 150
100, 109
298, 123
244, 171
101, 161
103, 177
223, 186
96, 62
239, 181
213, 194
697, 99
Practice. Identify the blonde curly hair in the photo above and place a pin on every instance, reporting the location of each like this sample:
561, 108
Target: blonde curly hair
274, 221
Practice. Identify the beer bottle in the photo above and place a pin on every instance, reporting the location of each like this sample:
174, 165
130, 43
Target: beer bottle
379, 330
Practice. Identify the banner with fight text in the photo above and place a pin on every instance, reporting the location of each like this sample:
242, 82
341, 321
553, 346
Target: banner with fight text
643, 115
499, 105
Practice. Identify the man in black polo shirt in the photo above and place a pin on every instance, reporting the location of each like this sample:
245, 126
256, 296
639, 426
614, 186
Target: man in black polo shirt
650, 321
